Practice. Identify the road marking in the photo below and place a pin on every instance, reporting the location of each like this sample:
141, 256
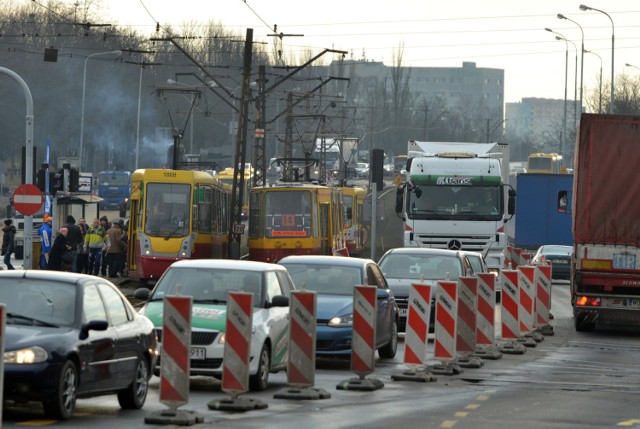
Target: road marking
472, 407
461, 414
448, 423
632, 422
483, 398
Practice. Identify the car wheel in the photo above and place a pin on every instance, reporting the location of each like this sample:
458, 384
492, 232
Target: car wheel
388, 351
133, 397
259, 381
62, 402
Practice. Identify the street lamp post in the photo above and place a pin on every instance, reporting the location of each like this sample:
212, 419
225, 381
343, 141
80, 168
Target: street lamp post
632, 66
84, 86
584, 8
600, 97
566, 69
561, 16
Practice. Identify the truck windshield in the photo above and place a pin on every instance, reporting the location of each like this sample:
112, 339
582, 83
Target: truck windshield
455, 202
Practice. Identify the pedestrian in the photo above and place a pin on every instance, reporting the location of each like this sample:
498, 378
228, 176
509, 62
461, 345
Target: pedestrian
125, 242
60, 258
74, 238
94, 241
45, 233
115, 250
104, 222
83, 257
8, 244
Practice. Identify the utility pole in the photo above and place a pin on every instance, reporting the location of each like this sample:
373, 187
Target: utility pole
288, 144
236, 227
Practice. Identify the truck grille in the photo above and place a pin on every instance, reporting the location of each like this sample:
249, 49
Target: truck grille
475, 243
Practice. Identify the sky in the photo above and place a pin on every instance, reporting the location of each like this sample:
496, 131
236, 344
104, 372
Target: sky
502, 34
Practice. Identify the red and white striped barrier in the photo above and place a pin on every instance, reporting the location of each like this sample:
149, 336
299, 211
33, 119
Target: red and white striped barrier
175, 363
302, 339
363, 351
301, 363
510, 303
467, 308
485, 332
508, 258
526, 283
543, 298
446, 321
364, 330
176, 346
417, 331
237, 346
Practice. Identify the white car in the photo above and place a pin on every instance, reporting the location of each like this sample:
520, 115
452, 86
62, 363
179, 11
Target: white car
208, 281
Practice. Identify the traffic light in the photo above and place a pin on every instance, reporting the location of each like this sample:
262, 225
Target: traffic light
74, 180
55, 181
41, 179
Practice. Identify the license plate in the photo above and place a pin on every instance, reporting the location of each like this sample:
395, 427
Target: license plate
631, 303
560, 261
198, 353
403, 312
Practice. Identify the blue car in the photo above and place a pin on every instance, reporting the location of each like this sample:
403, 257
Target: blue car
333, 279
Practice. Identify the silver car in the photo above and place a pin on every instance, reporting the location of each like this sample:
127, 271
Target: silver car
406, 265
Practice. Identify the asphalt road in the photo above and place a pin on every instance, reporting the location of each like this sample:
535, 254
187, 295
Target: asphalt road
569, 380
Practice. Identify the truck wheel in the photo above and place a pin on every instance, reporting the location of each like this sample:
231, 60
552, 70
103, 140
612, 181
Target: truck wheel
581, 325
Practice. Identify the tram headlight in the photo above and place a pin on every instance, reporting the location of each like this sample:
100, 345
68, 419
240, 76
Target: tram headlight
278, 245
298, 244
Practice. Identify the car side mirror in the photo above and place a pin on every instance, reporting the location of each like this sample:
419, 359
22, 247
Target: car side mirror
141, 293
93, 325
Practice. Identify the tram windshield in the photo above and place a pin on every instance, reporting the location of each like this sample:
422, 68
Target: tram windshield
288, 214
167, 209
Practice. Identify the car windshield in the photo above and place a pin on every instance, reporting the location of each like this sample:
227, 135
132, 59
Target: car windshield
208, 285
325, 279
420, 266
557, 250
38, 302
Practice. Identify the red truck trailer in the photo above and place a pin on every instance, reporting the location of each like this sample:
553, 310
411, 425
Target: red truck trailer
605, 281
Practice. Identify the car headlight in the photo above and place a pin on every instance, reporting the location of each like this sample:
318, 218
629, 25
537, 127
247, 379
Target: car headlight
341, 321
29, 355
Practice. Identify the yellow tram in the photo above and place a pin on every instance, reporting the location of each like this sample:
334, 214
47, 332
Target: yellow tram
355, 234
226, 177
175, 214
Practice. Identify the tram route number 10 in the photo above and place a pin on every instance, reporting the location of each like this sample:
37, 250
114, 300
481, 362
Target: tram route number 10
288, 220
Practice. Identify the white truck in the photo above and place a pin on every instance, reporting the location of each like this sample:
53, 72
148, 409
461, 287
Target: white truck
457, 197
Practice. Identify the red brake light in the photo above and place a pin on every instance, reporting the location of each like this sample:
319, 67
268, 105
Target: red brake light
590, 301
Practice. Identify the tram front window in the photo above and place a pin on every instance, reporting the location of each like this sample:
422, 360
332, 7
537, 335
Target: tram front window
288, 214
167, 210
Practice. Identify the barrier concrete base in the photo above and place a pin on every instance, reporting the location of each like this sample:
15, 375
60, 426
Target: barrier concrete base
527, 341
512, 347
174, 417
363, 384
446, 368
469, 361
309, 393
488, 352
536, 335
546, 330
421, 375
237, 404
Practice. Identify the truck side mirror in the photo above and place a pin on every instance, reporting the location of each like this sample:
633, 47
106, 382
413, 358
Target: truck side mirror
399, 199
511, 203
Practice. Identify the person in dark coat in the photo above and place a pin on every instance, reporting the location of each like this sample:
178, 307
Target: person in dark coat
59, 248
74, 239
8, 245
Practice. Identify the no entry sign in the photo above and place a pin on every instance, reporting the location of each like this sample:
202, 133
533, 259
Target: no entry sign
27, 199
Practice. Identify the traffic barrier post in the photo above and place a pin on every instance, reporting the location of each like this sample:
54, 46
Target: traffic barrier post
510, 325
485, 324
301, 363
416, 335
175, 363
237, 354
543, 298
526, 309
363, 340
445, 329
467, 323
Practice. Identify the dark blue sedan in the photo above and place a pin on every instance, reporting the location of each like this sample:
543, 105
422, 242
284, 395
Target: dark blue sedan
333, 279
70, 336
